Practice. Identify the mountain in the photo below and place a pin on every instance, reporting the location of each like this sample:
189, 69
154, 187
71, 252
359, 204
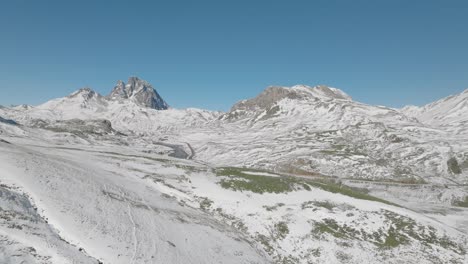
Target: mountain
22, 107
274, 94
320, 106
322, 131
140, 92
84, 98
86, 103
448, 113
295, 175
327, 133
301, 129
134, 107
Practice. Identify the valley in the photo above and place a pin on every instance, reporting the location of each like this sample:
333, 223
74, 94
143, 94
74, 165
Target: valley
296, 175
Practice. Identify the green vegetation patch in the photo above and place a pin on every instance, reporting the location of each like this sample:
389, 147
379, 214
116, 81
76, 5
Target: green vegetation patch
190, 168
274, 207
401, 230
334, 187
281, 230
461, 203
205, 203
343, 257
314, 204
239, 179
453, 166
331, 227
265, 241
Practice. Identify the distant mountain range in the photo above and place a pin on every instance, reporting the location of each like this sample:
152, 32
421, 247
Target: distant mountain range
295, 175
289, 129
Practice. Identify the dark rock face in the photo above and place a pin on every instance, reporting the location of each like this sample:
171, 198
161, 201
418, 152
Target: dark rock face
8, 121
119, 91
4, 141
139, 91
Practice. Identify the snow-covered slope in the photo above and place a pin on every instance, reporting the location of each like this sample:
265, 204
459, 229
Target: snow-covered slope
120, 204
85, 102
115, 216
448, 113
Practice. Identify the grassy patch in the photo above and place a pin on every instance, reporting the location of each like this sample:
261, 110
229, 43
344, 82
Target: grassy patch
325, 204
205, 204
453, 166
331, 227
281, 230
333, 187
274, 207
316, 252
190, 168
238, 179
401, 230
343, 257
313, 204
461, 203
265, 241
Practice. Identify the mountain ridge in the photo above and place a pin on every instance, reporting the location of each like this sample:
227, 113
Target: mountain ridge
299, 115
298, 170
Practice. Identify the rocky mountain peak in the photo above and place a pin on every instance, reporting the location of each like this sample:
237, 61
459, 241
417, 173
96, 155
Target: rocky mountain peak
119, 91
87, 94
139, 91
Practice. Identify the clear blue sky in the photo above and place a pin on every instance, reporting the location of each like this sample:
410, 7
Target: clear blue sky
210, 54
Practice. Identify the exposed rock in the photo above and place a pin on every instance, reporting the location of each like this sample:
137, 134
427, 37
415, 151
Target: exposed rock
8, 121
139, 91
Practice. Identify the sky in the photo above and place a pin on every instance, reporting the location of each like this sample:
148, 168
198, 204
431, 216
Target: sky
210, 54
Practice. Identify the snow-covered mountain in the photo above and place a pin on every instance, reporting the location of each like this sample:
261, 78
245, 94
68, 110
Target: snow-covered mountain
295, 175
134, 107
320, 106
85, 102
82, 101
320, 130
448, 113
326, 131
311, 130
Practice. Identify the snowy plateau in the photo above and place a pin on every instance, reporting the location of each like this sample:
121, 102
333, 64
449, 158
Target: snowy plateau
295, 175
